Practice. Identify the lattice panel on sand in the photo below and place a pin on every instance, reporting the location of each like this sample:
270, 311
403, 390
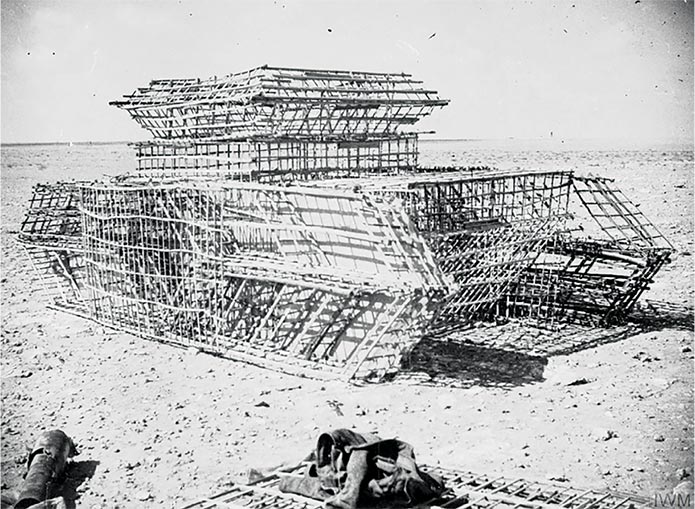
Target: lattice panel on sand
51, 237
467, 490
281, 103
297, 278
272, 161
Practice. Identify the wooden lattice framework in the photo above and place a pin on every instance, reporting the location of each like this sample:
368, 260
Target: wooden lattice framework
52, 237
301, 277
467, 490
485, 227
340, 278
272, 124
275, 102
279, 217
274, 161
595, 279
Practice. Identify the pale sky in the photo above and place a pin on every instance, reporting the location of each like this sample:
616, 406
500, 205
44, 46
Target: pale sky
608, 69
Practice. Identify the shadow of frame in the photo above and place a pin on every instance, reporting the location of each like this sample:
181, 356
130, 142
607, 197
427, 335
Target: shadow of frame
455, 362
516, 353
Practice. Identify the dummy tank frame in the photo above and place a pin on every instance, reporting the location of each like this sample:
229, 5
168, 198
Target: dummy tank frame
280, 217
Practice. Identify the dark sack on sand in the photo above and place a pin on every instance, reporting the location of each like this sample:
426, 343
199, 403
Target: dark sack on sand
349, 466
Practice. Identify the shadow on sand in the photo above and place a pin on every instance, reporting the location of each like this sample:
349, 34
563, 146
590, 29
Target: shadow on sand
516, 353
76, 474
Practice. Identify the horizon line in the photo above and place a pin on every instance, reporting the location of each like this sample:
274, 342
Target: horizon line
679, 141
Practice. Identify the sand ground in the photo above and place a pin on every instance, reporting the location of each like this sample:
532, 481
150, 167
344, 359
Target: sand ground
158, 426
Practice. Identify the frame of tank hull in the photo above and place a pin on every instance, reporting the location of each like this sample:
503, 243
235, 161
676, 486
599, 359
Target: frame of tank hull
342, 277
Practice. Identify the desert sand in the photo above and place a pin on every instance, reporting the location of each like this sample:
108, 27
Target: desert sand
158, 426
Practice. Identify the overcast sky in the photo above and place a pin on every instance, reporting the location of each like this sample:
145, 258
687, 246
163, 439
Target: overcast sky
582, 69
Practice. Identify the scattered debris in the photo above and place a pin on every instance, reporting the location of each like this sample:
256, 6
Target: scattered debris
130, 465
603, 435
25, 373
291, 388
644, 357
335, 405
